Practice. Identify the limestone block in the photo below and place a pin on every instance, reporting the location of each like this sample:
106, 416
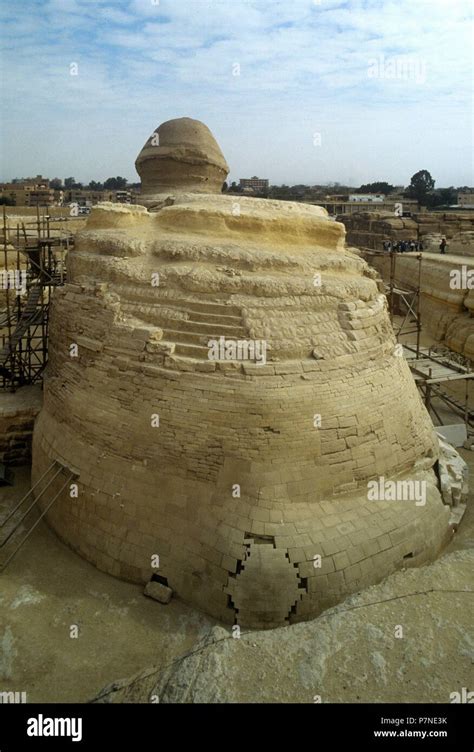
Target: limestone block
462, 243
158, 592
453, 473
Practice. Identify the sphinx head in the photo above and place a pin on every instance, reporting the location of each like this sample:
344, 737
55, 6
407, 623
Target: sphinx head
181, 155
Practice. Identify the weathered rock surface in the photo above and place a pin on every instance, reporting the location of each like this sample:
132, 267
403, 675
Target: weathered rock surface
454, 474
406, 640
370, 229
17, 416
447, 294
462, 243
158, 592
180, 155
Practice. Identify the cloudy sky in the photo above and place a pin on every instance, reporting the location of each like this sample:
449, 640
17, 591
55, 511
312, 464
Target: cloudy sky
299, 91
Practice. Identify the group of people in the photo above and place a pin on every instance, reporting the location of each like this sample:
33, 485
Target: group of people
403, 246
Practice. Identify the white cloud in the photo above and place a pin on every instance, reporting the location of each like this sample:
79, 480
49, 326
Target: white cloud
303, 66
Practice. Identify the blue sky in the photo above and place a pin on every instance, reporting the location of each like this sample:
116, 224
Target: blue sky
300, 91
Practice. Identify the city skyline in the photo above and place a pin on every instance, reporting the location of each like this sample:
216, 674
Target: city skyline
335, 186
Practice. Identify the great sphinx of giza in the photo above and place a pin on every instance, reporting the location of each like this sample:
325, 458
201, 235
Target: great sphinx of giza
248, 478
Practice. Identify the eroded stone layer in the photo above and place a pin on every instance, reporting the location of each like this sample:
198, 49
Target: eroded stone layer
181, 154
255, 470
447, 294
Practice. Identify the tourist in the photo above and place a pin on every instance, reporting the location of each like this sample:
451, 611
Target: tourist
412, 245
442, 246
420, 245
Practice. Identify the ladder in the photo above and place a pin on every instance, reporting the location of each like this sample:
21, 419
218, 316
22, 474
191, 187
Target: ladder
56, 469
27, 318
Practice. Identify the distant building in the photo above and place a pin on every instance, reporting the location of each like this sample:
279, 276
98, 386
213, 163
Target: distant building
84, 197
38, 180
466, 200
123, 197
336, 197
391, 204
33, 192
367, 198
255, 184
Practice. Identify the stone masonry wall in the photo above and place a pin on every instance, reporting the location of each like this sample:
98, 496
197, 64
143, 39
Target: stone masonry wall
18, 411
239, 487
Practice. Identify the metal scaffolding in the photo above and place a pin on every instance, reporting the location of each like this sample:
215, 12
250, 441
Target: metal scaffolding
432, 368
34, 263
403, 299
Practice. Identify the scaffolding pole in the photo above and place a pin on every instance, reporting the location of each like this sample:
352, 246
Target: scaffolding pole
424, 363
37, 267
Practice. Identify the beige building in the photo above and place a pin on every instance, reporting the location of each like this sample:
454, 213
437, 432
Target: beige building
255, 184
396, 205
466, 200
37, 192
30, 192
83, 196
367, 198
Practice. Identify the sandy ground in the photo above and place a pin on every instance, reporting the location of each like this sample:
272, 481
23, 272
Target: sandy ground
47, 588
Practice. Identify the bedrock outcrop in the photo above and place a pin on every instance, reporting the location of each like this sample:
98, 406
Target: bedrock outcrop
447, 294
406, 640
